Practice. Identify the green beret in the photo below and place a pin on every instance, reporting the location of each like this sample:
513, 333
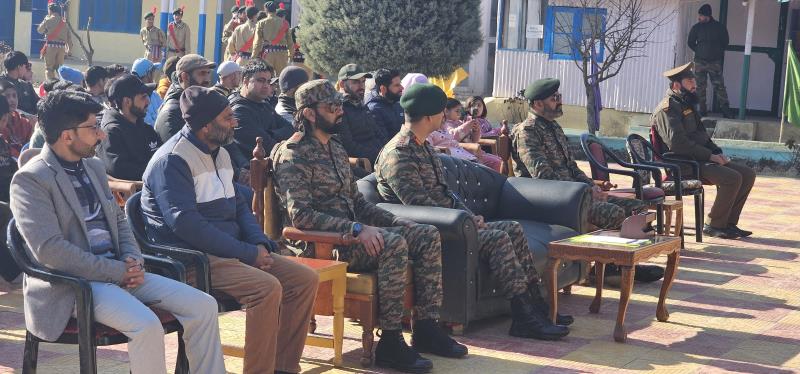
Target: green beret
423, 99
542, 89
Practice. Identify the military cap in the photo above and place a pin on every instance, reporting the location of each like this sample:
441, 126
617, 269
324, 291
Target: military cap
316, 91
177, 11
235, 9
353, 71
149, 15
680, 72
542, 89
423, 99
270, 6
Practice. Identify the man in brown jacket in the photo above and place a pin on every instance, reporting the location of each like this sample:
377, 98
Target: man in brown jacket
273, 39
679, 128
58, 40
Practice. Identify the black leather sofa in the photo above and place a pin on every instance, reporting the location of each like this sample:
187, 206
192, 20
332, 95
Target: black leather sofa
548, 210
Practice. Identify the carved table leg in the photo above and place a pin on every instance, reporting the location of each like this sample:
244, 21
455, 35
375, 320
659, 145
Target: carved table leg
620, 335
599, 275
669, 275
552, 285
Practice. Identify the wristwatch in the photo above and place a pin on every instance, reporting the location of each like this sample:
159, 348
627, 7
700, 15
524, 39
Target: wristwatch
357, 227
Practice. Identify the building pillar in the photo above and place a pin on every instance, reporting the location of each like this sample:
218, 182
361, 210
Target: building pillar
748, 50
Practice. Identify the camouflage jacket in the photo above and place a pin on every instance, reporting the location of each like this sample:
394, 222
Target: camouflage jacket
540, 149
409, 172
316, 188
680, 128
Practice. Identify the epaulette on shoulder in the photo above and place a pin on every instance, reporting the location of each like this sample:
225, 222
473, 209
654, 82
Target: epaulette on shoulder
403, 141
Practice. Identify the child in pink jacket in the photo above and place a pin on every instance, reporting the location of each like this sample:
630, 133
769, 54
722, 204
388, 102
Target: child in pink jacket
453, 132
476, 109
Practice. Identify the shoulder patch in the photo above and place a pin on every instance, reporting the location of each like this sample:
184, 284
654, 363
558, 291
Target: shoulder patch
687, 111
403, 141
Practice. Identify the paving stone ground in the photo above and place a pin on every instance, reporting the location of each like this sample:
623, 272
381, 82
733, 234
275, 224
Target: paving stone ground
735, 307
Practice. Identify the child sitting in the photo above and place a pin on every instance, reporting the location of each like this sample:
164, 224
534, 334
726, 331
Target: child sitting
476, 109
452, 130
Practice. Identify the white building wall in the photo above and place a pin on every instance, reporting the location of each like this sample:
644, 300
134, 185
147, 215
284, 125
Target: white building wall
638, 87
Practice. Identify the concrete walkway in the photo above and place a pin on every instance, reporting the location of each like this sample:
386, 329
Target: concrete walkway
735, 307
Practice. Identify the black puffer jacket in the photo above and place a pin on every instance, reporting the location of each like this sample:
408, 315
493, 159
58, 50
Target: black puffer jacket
389, 116
255, 119
170, 118
360, 135
708, 40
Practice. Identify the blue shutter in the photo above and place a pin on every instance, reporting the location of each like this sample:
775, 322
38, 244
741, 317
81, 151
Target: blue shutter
123, 16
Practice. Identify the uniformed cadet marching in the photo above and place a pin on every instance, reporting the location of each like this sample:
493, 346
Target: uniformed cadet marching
237, 19
153, 38
240, 45
58, 40
409, 172
678, 125
179, 36
317, 191
539, 149
273, 39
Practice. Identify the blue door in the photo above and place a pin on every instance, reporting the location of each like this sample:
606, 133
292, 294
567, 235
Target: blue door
7, 22
38, 12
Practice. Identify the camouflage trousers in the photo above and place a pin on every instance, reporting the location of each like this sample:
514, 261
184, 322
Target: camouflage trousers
419, 246
710, 70
504, 247
609, 214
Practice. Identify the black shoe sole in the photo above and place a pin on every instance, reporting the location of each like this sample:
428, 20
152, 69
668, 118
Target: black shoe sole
720, 235
565, 321
539, 337
391, 365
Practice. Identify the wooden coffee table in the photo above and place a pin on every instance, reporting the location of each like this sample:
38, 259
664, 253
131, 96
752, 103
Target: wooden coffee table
626, 256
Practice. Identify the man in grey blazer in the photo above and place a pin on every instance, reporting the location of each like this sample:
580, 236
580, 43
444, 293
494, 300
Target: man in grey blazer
71, 223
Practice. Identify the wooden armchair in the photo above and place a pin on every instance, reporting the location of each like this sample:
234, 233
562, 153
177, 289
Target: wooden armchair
361, 298
500, 146
123, 189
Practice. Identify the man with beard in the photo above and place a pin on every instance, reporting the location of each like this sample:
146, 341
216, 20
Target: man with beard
410, 172
359, 134
291, 78
129, 142
191, 70
384, 102
680, 128
540, 149
189, 200
317, 191
255, 116
63, 208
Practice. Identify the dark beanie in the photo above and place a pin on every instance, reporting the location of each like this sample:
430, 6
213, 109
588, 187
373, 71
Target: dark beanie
201, 105
705, 10
423, 99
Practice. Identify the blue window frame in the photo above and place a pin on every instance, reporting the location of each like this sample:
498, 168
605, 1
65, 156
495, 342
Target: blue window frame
123, 16
566, 27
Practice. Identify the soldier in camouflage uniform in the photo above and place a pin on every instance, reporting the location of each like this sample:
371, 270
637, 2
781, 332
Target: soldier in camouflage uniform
540, 149
317, 191
708, 38
153, 38
409, 172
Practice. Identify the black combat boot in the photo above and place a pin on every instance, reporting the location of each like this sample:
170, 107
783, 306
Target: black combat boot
527, 322
428, 337
393, 352
544, 308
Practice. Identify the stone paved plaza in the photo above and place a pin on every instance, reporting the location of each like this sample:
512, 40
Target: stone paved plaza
734, 307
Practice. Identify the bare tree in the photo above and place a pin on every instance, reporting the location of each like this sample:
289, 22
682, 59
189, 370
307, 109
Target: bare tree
621, 29
87, 51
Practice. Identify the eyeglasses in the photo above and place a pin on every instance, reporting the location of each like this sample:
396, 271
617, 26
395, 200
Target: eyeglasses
95, 127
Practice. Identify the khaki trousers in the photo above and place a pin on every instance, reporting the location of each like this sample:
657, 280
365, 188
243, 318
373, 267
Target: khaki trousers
278, 305
278, 60
53, 59
734, 182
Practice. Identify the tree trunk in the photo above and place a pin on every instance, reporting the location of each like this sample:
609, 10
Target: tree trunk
592, 121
